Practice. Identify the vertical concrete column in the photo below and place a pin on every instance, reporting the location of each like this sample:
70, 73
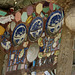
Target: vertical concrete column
65, 58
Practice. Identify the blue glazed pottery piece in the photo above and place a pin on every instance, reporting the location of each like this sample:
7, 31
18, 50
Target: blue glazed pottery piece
54, 23
19, 34
6, 44
35, 29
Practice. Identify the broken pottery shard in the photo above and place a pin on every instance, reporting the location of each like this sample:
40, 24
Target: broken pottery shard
6, 19
39, 8
18, 16
24, 17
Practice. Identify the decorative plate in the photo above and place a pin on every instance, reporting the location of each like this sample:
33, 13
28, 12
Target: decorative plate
54, 23
6, 44
32, 52
19, 34
35, 29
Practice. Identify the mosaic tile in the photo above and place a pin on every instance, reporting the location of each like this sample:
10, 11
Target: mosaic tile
8, 27
14, 67
34, 15
29, 19
21, 53
51, 6
13, 24
40, 5
22, 66
7, 35
29, 10
40, 42
25, 66
3, 13
2, 30
25, 44
54, 45
6, 44
18, 16
24, 16
12, 56
34, 63
19, 66
46, 9
6, 19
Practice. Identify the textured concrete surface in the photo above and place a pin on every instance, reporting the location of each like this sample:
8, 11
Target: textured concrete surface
65, 57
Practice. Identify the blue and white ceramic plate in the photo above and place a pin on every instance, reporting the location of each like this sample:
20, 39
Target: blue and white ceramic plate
35, 29
54, 23
19, 34
6, 44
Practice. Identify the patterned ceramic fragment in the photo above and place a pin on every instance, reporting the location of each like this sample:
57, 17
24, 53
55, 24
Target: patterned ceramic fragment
25, 44
13, 25
42, 15
35, 29
56, 38
43, 34
14, 67
46, 73
29, 10
48, 54
24, 16
55, 7
3, 13
6, 44
59, 35
53, 24
12, 56
6, 19
46, 15
19, 66
56, 52
54, 45
7, 35
2, 30
55, 60
32, 52
40, 55
22, 66
19, 34
40, 5
21, 53
46, 9
18, 16
34, 15
40, 42
29, 19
